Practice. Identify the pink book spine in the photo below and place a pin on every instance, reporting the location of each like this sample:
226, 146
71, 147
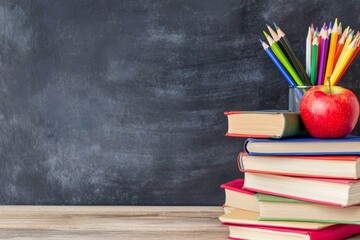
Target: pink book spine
335, 232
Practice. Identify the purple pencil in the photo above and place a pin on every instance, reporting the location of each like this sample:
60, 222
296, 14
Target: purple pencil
323, 56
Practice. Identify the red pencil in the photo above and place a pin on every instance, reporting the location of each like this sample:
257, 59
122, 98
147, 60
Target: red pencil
339, 47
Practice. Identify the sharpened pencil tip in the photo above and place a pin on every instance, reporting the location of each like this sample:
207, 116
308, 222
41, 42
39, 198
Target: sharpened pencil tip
324, 25
269, 28
330, 25
316, 29
266, 35
276, 26
261, 41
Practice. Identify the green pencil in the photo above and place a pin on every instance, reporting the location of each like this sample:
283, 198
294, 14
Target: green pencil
314, 52
281, 56
277, 40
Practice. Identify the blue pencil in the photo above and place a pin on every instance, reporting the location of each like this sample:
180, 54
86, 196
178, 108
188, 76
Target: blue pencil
281, 68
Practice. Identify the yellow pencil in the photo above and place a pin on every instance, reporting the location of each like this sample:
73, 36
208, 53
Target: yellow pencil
338, 70
332, 48
346, 46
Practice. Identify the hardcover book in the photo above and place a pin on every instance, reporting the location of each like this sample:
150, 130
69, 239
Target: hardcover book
264, 124
237, 197
349, 145
336, 232
285, 209
346, 167
243, 217
338, 192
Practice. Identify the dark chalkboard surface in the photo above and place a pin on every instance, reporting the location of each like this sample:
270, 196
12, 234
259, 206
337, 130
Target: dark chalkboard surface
121, 102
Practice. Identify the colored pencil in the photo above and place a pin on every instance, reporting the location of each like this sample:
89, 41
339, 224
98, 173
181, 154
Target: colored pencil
295, 61
339, 30
312, 30
314, 53
281, 56
278, 64
277, 40
329, 39
340, 46
346, 59
323, 55
308, 52
321, 32
347, 29
348, 64
320, 43
345, 47
330, 29
331, 53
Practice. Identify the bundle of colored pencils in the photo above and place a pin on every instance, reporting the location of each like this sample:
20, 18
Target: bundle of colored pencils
329, 54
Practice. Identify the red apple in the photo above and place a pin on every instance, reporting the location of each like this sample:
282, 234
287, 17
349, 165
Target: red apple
329, 112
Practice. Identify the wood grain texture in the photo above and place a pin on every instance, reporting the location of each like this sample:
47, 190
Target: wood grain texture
111, 222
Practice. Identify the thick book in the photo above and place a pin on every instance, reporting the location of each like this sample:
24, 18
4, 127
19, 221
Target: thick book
337, 192
344, 167
275, 208
249, 218
336, 232
349, 145
264, 124
237, 197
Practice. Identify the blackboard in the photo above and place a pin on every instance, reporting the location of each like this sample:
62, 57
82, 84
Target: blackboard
122, 102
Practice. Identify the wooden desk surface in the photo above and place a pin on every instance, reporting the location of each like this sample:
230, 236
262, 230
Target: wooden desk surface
111, 222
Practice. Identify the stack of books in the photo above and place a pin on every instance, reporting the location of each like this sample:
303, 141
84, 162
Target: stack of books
294, 186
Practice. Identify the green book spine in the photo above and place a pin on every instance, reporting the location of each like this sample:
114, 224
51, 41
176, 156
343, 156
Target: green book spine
269, 198
293, 125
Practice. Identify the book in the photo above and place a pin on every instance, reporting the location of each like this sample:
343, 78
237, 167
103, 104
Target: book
249, 218
237, 197
275, 208
349, 145
338, 192
264, 124
346, 167
336, 232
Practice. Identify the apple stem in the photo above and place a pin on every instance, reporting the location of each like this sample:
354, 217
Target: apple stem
329, 84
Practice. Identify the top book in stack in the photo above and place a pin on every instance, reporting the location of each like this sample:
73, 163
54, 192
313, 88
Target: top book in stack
264, 124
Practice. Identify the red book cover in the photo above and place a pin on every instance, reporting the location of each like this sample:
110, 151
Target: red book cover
237, 186
335, 232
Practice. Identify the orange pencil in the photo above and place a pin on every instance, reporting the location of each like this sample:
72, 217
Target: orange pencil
340, 46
